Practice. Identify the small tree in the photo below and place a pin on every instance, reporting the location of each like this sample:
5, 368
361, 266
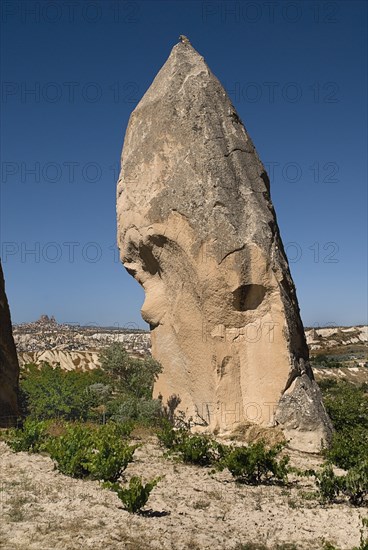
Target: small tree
134, 376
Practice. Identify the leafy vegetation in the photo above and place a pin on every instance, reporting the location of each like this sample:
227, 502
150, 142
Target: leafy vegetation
130, 408
253, 464
135, 495
349, 447
119, 393
191, 448
347, 406
256, 464
326, 362
47, 392
32, 437
133, 376
98, 453
121, 390
353, 485
329, 485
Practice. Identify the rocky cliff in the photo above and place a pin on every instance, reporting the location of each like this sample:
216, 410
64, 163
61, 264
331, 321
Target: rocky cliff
9, 369
197, 229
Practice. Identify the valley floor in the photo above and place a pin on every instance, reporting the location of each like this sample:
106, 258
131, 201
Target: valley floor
191, 508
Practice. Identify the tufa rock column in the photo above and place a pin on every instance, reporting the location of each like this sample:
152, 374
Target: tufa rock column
9, 368
197, 229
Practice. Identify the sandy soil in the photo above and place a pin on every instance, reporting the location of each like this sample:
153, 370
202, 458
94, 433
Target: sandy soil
191, 508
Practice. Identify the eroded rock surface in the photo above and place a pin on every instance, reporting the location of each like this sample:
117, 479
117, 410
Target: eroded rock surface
9, 369
197, 229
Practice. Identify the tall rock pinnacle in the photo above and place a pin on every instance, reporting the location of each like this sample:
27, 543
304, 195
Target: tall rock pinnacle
9, 368
197, 229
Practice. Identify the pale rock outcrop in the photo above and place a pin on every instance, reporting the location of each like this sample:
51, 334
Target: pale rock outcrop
67, 360
197, 229
9, 368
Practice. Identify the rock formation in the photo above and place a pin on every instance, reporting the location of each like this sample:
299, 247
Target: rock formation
197, 229
9, 369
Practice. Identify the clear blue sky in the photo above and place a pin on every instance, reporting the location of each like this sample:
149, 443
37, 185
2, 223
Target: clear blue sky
295, 71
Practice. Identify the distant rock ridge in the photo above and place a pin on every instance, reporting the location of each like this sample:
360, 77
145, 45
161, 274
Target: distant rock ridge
330, 337
9, 368
197, 229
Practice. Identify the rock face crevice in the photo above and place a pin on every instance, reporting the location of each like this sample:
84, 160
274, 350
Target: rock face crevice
197, 229
9, 368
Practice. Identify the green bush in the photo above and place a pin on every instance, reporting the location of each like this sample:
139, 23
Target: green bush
71, 451
131, 408
136, 495
167, 435
191, 448
329, 485
256, 464
348, 447
353, 485
134, 376
48, 392
347, 405
356, 483
121, 391
32, 437
110, 455
200, 449
252, 464
95, 453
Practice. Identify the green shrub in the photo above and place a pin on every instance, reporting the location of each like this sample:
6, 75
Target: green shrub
256, 464
110, 455
96, 453
200, 449
134, 376
131, 408
100, 393
329, 485
191, 448
136, 495
168, 436
121, 391
348, 447
32, 437
71, 451
347, 405
48, 392
353, 485
356, 483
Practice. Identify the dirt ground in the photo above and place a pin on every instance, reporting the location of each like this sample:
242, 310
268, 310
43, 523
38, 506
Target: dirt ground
191, 508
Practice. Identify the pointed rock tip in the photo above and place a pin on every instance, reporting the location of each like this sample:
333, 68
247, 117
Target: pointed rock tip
183, 60
184, 40
184, 46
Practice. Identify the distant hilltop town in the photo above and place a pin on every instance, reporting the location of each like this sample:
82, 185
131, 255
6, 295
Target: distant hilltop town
73, 345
